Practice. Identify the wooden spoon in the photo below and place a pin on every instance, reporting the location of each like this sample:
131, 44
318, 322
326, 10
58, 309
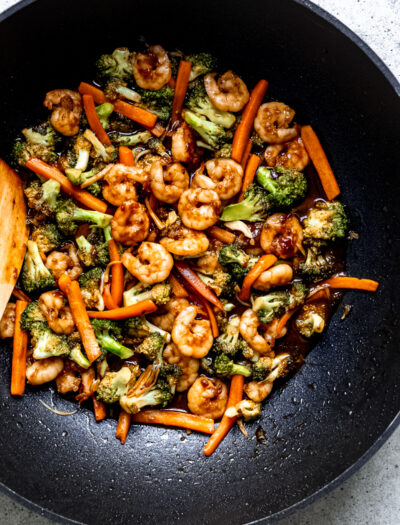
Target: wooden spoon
14, 231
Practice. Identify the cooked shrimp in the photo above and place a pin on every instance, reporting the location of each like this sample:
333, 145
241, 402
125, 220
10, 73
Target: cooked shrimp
175, 175
292, 155
152, 264
184, 241
258, 390
7, 322
87, 386
208, 397
67, 110
272, 122
68, 380
152, 70
202, 181
121, 183
192, 336
183, 144
228, 93
58, 315
44, 370
60, 262
278, 275
172, 310
282, 235
188, 365
227, 175
199, 208
249, 324
208, 263
130, 223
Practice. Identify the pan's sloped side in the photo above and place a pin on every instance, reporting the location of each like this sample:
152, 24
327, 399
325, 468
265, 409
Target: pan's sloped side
325, 418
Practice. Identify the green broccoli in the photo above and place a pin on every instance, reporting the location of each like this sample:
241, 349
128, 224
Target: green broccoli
158, 102
326, 222
117, 65
114, 385
107, 332
286, 187
254, 207
43, 197
220, 282
138, 328
93, 249
117, 88
90, 285
47, 237
103, 112
47, 343
201, 64
297, 294
311, 320
270, 306
262, 368
229, 341
40, 142
282, 364
225, 367
131, 140
213, 134
35, 276
319, 264
68, 215
78, 177
31, 315
199, 102
152, 347
235, 260
225, 152
160, 294
78, 357
247, 409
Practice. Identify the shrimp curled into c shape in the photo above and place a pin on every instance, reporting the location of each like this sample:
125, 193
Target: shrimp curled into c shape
130, 223
292, 155
278, 275
185, 241
44, 371
248, 328
192, 336
198, 208
175, 175
227, 175
67, 110
121, 183
58, 315
228, 93
188, 365
152, 70
60, 262
272, 122
282, 235
208, 397
152, 264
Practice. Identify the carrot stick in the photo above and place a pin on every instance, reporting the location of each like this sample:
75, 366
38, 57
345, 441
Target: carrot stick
250, 171
20, 346
117, 273
194, 280
108, 299
177, 289
94, 121
124, 422
134, 310
246, 154
99, 409
19, 294
320, 161
80, 316
284, 320
126, 156
97, 94
158, 130
235, 395
221, 235
353, 283
50, 172
212, 319
263, 263
139, 115
243, 131
173, 418
182, 80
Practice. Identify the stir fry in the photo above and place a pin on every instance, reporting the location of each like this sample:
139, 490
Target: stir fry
186, 244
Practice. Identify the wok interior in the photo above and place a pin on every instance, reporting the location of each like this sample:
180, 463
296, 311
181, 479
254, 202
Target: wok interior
327, 416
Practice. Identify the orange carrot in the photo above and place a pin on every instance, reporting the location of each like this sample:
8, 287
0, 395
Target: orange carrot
246, 154
50, 172
141, 308
117, 273
342, 281
173, 418
194, 280
124, 422
158, 130
20, 346
284, 320
97, 94
80, 315
243, 131
139, 115
250, 171
177, 289
19, 294
212, 319
182, 80
108, 299
263, 263
126, 156
320, 161
99, 409
235, 395
94, 121
221, 235
172, 82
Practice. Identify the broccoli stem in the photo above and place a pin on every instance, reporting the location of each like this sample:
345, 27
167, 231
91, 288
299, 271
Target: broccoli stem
240, 370
95, 217
107, 233
263, 177
111, 345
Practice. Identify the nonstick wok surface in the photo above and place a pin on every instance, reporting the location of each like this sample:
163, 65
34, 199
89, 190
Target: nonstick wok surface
326, 418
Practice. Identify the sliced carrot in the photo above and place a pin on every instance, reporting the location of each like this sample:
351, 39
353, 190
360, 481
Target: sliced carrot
284, 320
243, 131
177, 289
263, 263
173, 418
246, 154
20, 346
80, 315
182, 80
94, 121
158, 130
139, 115
108, 299
134, 310
221, 235
117, 273
212, 319
97, 94
235, 395
50, 172
19, 294
99, 409
353, 283
194, 280
320, 161
126, 156
124, 423
249, 174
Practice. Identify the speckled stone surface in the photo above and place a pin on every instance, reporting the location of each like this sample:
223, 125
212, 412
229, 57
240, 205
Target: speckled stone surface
372, 495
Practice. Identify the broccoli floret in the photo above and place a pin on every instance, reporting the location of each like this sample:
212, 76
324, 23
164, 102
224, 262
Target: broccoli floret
225, 152
285, 186
107, 332
40, 142
235, 260
78, 357
117, 88
229, 341
47, 237
272, 305
220, 282
225, 367
247, 409
152, 347
138, 328
114, 385
158, 102
68, 215
47, 343
297, 295
199, 102
201, 64
32, 314
310, 320
78, 177
93, 249
116, 65
35, 276
318, 265
103, 112
159, 294
262, 368
254, 207
213, 134
90, 284
43, 197
282, 364
130, 140
326, 222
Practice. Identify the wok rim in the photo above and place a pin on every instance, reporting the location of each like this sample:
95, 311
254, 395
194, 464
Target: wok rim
362, 460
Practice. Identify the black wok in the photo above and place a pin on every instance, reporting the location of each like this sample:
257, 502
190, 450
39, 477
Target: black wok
337, 410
